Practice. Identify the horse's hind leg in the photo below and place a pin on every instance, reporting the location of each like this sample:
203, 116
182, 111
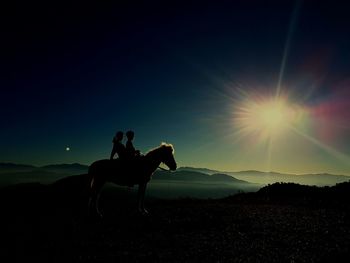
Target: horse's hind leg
92, 209
98, 212
141, 198
95, 188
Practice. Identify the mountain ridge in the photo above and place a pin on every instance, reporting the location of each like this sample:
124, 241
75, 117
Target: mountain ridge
248, 176
196, 177
182, 168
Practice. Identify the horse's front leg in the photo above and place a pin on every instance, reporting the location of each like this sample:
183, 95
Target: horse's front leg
141, 198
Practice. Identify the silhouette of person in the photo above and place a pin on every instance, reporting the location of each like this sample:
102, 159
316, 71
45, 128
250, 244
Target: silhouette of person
131, 153
118, 147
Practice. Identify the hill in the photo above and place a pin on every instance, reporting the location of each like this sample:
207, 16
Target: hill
200, 170
11, 167
190, 184
265, 178
184, 182
164, 184
74, 168
251, 176
291, 193
194, 176
33, 176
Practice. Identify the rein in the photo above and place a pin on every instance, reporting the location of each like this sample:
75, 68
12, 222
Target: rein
168, 170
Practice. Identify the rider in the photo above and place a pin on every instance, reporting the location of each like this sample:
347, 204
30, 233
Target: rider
131, 153
118, 147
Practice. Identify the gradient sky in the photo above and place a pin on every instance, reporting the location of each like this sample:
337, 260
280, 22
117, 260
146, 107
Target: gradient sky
180, 72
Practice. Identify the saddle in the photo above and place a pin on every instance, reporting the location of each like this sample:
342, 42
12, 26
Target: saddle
126, 171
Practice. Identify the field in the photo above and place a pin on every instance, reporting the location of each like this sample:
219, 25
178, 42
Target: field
49, 223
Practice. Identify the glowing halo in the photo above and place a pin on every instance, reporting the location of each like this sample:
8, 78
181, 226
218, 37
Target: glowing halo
267, 117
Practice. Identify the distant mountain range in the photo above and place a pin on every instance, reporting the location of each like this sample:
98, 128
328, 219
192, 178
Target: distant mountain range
182, 175
320, 179
11, 167
190, 174
193, 176
201, 170
74, 168
264, 178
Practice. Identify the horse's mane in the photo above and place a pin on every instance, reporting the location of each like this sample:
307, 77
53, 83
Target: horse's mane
164, 146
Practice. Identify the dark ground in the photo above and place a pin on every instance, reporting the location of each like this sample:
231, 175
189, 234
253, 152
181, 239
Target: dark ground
259, 227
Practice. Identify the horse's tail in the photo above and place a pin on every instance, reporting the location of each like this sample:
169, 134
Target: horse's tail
91, 182
92, 174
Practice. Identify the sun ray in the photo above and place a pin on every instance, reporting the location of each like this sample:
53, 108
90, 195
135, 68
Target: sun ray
269, 154
291, 29
338, 155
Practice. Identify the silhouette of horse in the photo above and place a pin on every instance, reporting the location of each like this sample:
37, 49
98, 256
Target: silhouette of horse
128, 173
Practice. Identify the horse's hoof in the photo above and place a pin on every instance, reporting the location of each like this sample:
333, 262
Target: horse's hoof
95, 217
143, 212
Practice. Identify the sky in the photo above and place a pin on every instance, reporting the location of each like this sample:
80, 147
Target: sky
233, 85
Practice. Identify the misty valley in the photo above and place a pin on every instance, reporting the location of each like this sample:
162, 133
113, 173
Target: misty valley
186, 182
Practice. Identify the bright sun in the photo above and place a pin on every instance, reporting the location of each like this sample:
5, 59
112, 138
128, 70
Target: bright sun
267, 117
272, 115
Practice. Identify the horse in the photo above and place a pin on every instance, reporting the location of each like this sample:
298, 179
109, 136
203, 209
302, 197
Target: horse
128, 173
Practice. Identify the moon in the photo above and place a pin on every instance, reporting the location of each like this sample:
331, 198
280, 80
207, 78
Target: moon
67, 149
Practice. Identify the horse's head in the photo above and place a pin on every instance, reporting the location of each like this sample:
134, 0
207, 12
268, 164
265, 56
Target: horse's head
168, 156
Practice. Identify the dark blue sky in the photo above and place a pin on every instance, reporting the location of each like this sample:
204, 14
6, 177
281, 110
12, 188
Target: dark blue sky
73, 74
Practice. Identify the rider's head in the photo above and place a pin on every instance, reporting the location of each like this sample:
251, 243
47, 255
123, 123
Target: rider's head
119, 135
130, 135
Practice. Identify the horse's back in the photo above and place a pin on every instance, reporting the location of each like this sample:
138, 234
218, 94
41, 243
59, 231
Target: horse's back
100, 166
121, 172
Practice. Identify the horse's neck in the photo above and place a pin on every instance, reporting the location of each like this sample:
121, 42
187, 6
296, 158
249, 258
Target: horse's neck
154, 160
